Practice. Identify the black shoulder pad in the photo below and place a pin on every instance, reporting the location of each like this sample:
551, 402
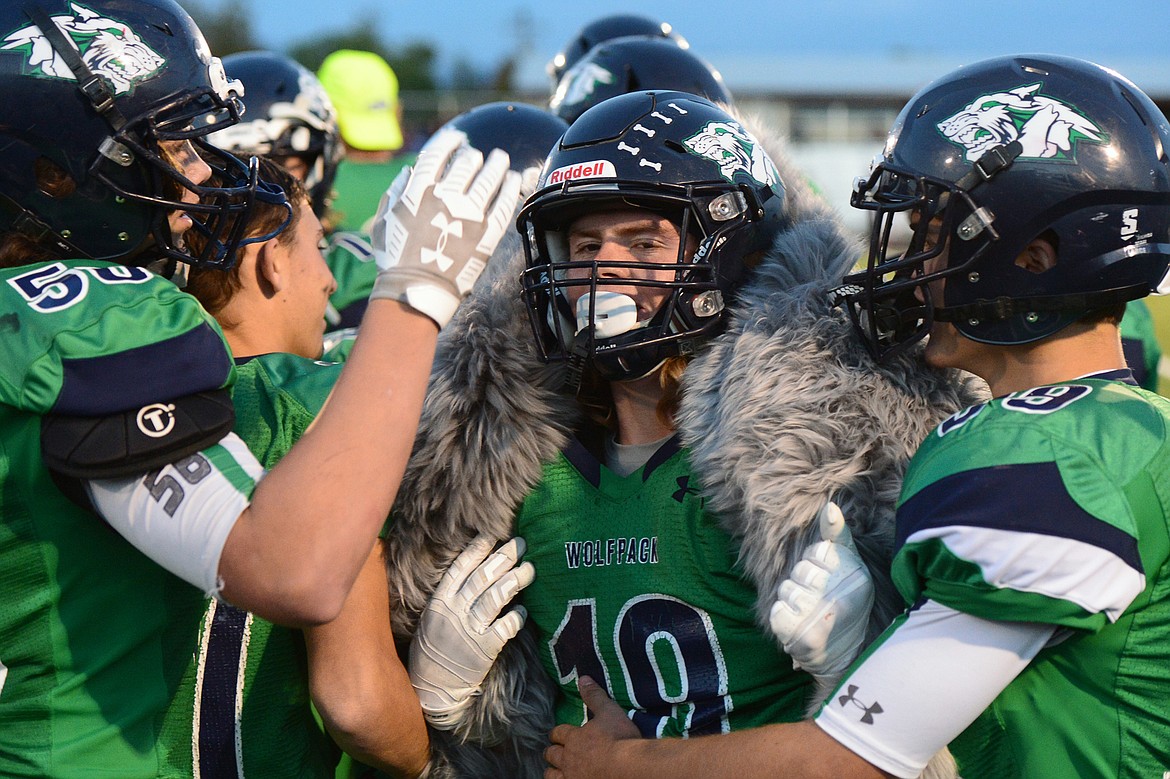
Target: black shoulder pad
135, 441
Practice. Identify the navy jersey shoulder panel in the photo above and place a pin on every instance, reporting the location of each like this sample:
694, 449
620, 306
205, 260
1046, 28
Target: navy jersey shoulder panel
195, 361
1124, 375
351, 315
1135, 357
1027, 498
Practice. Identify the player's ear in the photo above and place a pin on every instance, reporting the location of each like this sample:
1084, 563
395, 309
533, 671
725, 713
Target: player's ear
272, 265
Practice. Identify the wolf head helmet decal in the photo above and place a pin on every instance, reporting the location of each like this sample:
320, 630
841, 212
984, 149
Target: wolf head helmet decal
734, 150
110, 48
1044, 126
579, 84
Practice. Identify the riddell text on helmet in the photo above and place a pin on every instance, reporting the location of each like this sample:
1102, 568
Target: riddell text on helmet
583, 170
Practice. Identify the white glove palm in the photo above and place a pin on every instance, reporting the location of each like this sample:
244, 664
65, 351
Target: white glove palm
439, 222
459, 636
822, 609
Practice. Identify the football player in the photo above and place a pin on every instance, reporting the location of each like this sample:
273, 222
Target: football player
270, 306
659, 487
1032, 529
127, 498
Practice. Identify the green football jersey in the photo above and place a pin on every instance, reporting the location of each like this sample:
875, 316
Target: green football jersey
243, 708
91, 650
639, 588
359, 187
1050, 506
351, 260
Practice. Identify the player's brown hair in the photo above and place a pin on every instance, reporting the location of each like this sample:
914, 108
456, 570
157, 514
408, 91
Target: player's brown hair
215, 288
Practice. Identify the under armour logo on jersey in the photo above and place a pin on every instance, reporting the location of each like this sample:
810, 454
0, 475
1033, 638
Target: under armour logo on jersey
447, 228
683, 490
869, 710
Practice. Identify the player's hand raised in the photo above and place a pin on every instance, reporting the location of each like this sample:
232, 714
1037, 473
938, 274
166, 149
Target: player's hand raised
439, 222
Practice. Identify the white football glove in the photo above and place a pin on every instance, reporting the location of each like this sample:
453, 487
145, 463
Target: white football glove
459, 636
822, 609
439, 222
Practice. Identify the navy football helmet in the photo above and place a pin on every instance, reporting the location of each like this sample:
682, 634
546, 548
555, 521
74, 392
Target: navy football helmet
604, 29
990, 157
90, 92
287, 114
526, 132
679, 156
632, 64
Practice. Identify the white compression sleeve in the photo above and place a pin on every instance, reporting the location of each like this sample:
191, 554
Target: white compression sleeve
180, 516
928, 680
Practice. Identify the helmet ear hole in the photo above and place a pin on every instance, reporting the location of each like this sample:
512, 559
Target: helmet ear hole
52, 179
1039, 256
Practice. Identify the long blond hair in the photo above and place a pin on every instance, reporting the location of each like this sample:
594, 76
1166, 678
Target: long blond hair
596, 398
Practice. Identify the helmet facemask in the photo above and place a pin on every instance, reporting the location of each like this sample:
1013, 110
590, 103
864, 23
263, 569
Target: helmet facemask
890, 302
604, 329
225, 199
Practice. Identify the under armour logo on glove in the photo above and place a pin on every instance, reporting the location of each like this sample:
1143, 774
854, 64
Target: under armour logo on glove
439, 222
446, 228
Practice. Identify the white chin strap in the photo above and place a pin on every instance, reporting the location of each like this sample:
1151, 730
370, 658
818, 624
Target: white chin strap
613, 314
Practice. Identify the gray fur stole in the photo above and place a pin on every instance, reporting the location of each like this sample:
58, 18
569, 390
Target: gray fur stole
782, 412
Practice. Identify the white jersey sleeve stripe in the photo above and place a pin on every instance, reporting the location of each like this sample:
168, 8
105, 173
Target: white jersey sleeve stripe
1090, 576
180, 516
959, 664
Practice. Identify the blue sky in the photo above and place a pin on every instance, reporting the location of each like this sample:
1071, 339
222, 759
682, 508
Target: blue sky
746, 37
